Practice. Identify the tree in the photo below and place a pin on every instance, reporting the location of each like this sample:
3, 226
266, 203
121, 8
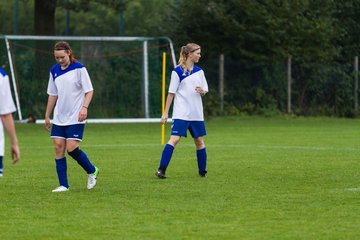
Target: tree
347, 18
257, 30
44, 17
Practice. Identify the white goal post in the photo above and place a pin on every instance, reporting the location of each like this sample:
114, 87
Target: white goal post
145, 75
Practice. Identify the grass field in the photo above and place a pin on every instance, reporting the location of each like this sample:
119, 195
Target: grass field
268, 178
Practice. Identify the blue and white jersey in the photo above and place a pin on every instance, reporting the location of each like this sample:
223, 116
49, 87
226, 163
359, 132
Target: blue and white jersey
187, 103
6, 104
70, 86
6, 101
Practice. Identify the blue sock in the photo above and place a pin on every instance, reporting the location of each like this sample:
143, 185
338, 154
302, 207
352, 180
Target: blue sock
82, 160
61, 170
1, 164
166, 156
201, 159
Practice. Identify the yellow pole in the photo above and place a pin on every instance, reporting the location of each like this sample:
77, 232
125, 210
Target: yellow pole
163, 97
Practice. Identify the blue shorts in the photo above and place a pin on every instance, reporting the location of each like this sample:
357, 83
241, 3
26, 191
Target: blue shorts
69, 132
179, 128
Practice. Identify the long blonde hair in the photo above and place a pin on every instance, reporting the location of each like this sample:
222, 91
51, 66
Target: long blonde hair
184, 53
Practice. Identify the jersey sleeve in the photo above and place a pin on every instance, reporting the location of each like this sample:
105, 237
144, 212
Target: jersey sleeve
204, 82
52, 90
85, 80
174, 82
6, 101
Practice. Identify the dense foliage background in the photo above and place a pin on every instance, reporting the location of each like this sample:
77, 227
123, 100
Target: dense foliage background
256, 37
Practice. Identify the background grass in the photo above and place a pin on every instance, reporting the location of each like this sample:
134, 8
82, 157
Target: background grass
276, 178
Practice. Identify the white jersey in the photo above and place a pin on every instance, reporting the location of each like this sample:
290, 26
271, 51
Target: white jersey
6, 104
70, 86
187, 103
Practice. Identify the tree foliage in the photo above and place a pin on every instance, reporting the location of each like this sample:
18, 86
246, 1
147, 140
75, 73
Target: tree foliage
256, 36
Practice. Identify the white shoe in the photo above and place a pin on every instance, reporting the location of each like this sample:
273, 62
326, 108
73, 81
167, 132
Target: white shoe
60, 189
92, 179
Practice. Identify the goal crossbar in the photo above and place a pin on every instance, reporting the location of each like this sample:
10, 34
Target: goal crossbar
144, 40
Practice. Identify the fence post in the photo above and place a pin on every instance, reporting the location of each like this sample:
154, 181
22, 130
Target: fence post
356, 84
146, 79
221, 83
289, 85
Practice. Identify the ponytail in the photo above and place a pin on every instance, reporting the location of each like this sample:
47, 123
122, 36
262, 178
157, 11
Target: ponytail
184, 53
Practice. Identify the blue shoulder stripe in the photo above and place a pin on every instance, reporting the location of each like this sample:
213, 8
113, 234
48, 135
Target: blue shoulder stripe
56, 70
180, 72
3, 72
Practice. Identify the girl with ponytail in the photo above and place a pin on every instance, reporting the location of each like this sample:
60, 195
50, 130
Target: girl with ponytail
187, 87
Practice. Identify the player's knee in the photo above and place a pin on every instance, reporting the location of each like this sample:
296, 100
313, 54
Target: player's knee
174, 140
59, 145
199, 142
75, 153
59, 149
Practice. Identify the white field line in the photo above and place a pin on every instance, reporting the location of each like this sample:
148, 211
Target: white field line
248, 146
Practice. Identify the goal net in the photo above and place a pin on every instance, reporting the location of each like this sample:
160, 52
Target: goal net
126, 74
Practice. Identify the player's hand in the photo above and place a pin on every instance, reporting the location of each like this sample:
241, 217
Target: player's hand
199, 90
47, 124
164, 118
15, 153
82, 114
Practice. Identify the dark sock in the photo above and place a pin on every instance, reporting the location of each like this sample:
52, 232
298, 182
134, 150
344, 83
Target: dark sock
201, 159
61, 169
166, 156
1, 164
82, 160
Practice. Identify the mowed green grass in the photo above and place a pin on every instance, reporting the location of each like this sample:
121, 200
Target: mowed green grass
268, 178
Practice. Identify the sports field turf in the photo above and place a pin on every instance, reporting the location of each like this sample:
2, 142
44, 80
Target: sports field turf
268, 178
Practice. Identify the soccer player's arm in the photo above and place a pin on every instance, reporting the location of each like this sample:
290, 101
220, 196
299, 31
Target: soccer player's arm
52, 92
49, 107
89, 91
8, 122
174, 84
203, 89
169, 100
83, 112
88, 97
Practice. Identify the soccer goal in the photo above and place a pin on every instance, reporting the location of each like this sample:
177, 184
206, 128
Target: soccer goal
126, 73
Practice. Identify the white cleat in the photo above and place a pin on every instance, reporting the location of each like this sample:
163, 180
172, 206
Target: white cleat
92, 179
61, 189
